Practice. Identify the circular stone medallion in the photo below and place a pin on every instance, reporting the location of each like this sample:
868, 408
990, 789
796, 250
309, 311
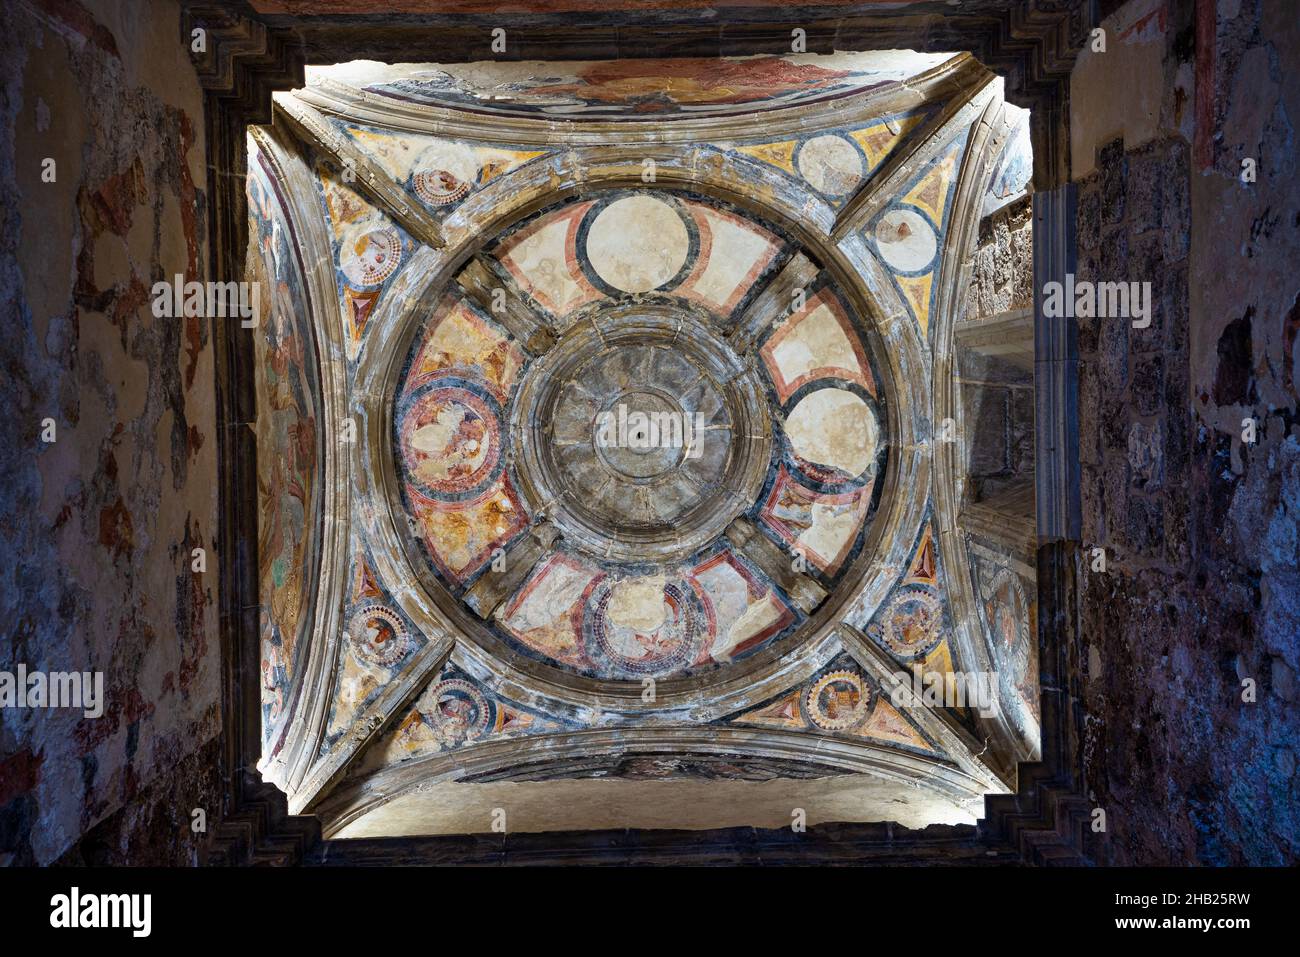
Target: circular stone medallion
639, 416
641, 434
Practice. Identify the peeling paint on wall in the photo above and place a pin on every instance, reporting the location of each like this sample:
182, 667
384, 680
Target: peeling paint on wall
98, 527
1201, 593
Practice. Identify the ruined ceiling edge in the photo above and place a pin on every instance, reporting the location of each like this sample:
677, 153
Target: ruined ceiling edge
949, 78
1033, 43
357, 799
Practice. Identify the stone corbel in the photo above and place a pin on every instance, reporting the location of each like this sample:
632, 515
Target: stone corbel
775, 564
499, 301
772, 303
1008, 337
493, 587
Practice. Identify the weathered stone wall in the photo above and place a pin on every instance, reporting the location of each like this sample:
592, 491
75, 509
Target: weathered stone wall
1002, 272
997, 392
97, 527
1201, 589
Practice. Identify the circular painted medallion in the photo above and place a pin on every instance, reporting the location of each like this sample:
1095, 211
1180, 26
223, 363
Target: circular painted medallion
1006, 616
1006, 610
911, 624
831, 164
645, 626
450, 434
457, 711
838, 700
636, 243
371, 257
906, 240
833, 435
378, 635
438, 187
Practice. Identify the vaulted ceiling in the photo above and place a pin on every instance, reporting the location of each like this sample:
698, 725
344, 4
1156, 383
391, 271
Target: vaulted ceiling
473, 270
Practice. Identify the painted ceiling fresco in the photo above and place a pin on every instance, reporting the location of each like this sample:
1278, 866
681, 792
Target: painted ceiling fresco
288, 416
804, 469
574, 444
635, 89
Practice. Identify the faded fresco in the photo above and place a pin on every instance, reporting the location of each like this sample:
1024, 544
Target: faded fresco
99, 519
842, 700
379, 642
578, 609
288, 419
634, 436
636, 89
908, 235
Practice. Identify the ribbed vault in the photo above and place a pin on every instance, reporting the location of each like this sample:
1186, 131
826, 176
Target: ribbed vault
480, 566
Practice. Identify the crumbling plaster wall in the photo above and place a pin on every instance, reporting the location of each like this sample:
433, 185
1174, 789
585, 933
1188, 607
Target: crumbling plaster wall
97, 527
1201, 589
